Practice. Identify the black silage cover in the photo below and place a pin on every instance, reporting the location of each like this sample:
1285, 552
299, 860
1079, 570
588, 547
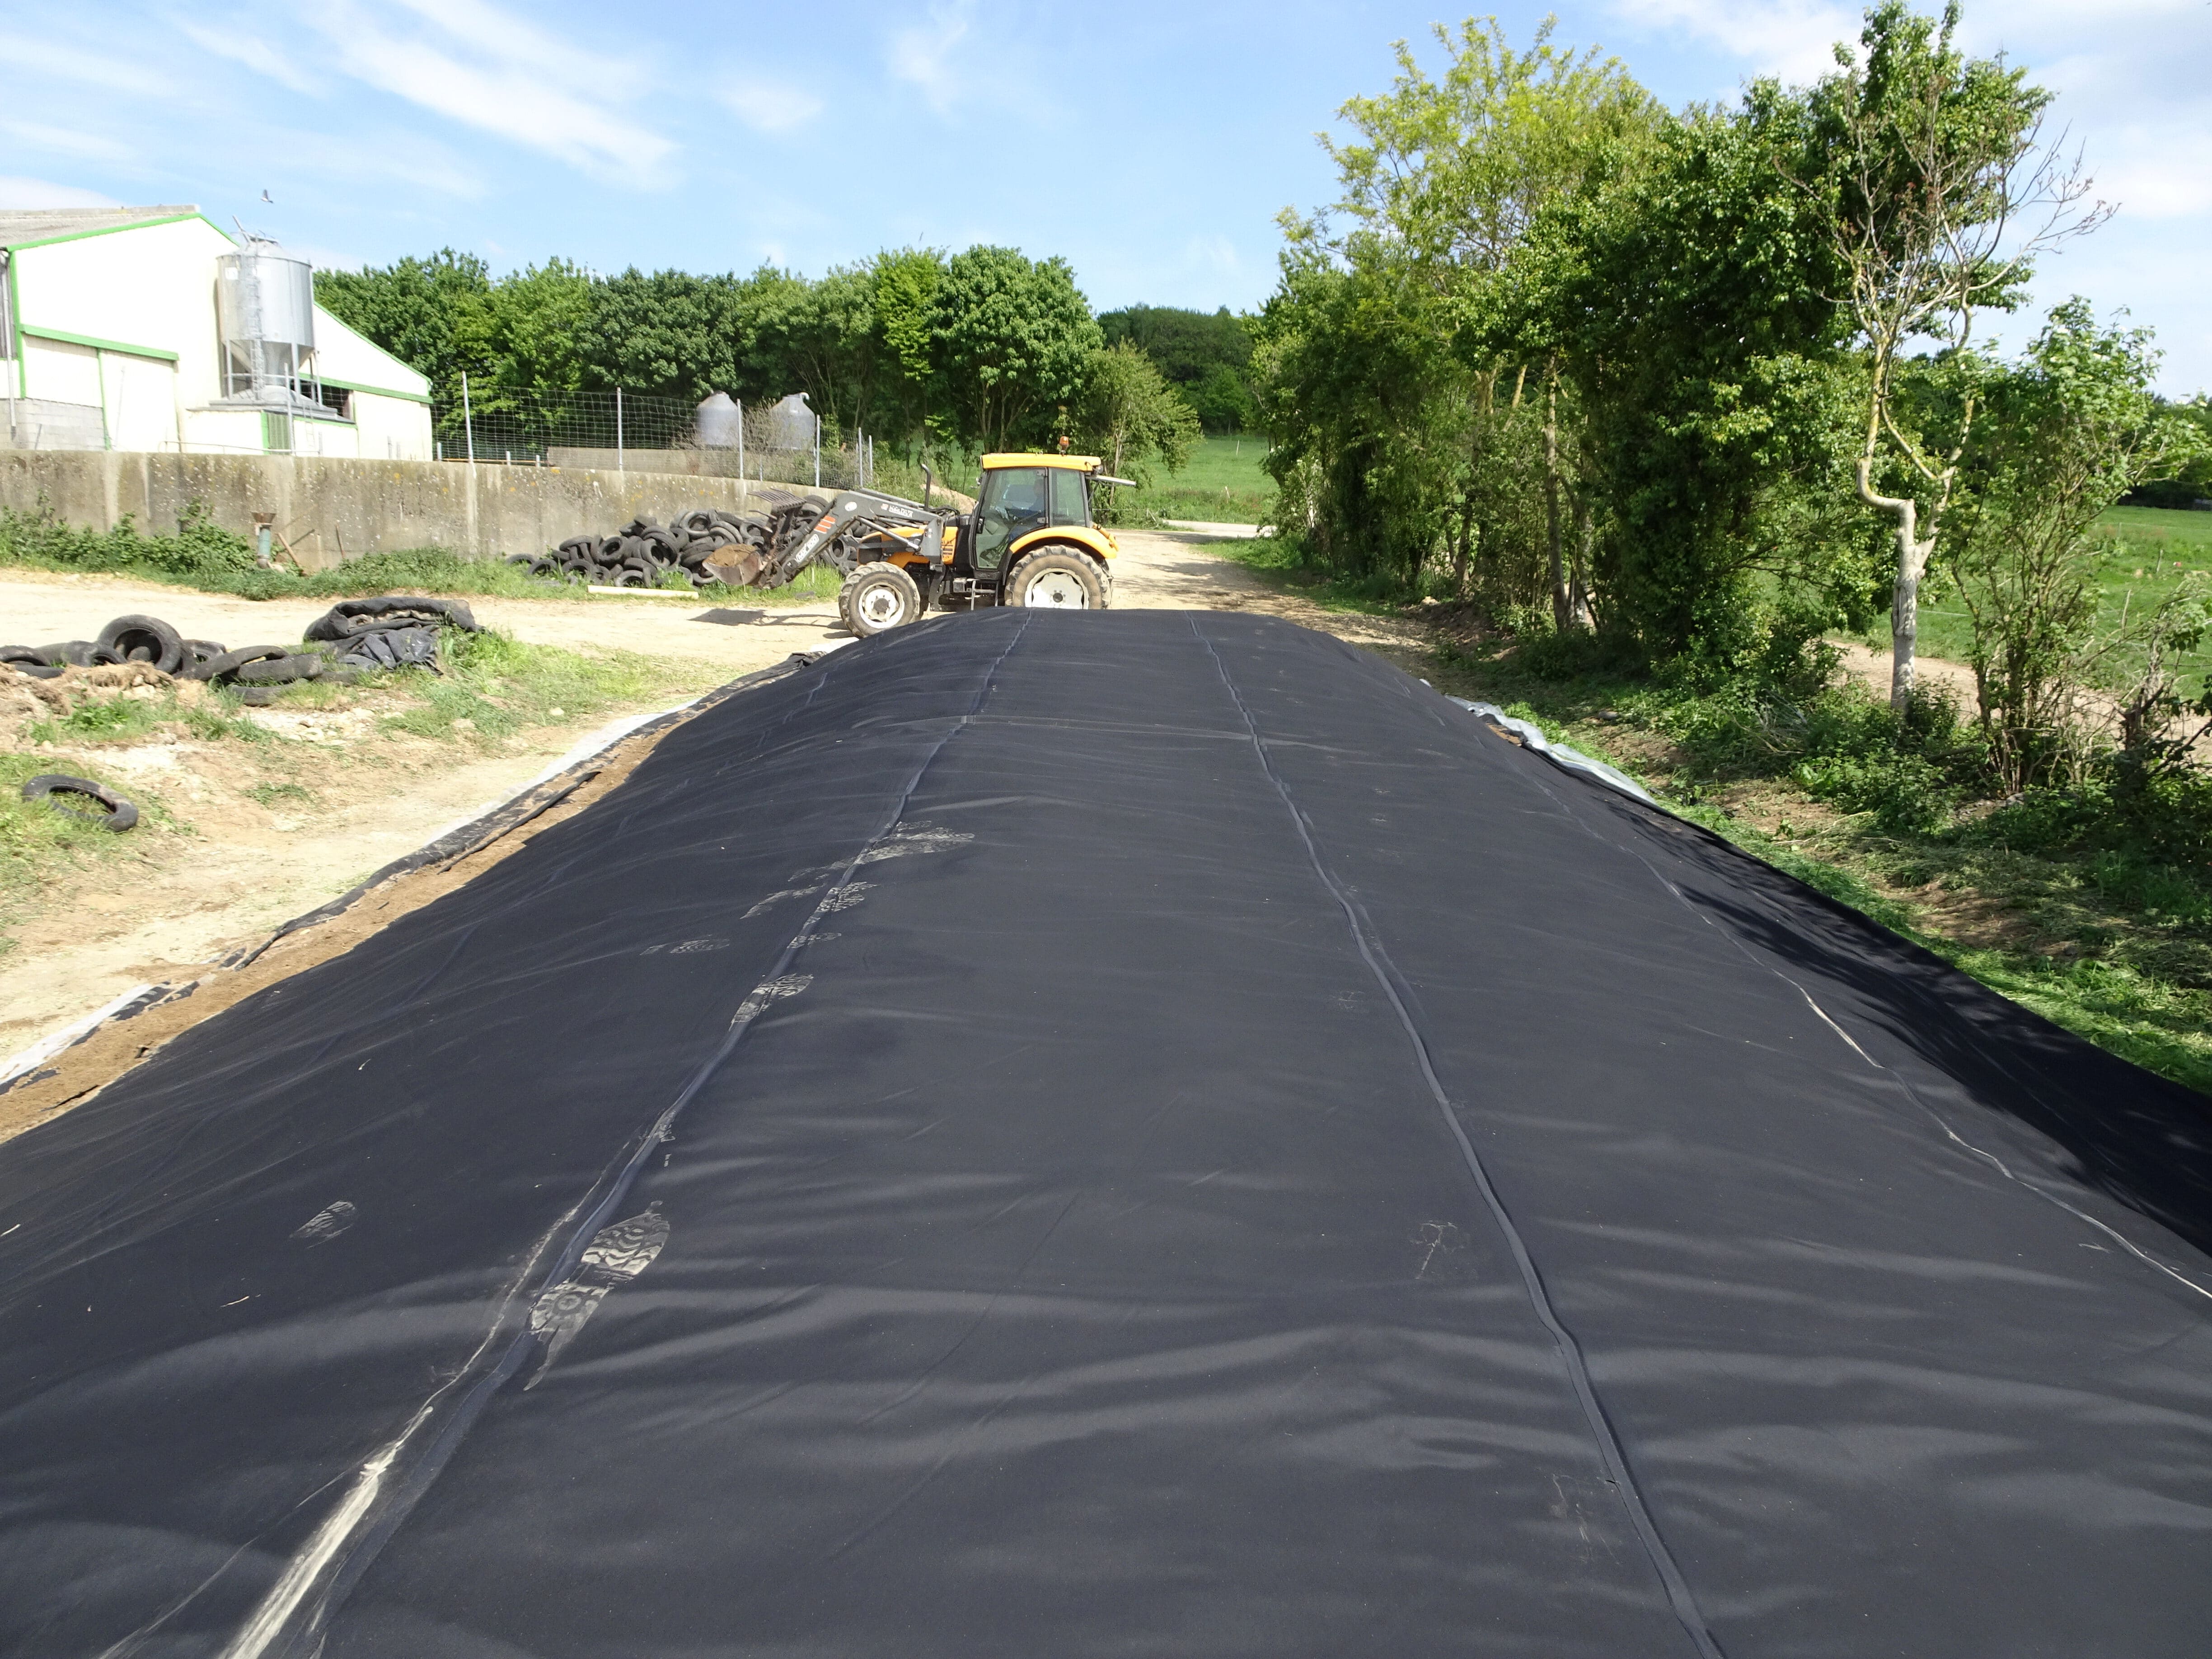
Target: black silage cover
1149, 1134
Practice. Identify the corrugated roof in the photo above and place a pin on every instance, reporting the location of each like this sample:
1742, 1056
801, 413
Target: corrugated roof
21, 225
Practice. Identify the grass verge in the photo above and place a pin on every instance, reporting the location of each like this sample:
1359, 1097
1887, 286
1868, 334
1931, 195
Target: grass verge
202, 557
2116, 950
1223, 482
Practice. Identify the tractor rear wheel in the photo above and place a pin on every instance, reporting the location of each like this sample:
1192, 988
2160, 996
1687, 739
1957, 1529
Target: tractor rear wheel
878, 596
1059, 579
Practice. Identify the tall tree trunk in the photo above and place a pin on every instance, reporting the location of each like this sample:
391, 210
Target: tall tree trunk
1912, 551
1562, 610
1578, 602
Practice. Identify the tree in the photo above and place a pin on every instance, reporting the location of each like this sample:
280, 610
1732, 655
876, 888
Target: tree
1010, 341
1939, 195
1129, 415
433, 314
1205, 357
906, 283
2063, 435
537, 318
1390, 438
1685, 295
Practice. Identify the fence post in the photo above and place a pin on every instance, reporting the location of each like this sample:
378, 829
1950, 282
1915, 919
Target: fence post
741, 441
619, 467
817, 452
468, 421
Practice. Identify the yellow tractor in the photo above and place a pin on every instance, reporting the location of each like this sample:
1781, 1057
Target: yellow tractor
1029, 540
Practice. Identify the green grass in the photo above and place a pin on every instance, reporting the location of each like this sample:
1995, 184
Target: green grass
36, 839
274, 795
1275, 562
493, 686
214, 561
2114, 949
120, 720
2142, 555
1222, 483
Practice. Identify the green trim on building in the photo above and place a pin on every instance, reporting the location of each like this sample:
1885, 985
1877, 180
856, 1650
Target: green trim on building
375, 391
16, 318
39, 331
111, 230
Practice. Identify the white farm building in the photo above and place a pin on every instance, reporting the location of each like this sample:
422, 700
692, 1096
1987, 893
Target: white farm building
152, 329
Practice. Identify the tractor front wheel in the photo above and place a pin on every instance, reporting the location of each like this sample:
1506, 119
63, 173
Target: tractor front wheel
1059, 579
878, 596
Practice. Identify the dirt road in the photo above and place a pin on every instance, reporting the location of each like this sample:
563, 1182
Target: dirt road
270, 831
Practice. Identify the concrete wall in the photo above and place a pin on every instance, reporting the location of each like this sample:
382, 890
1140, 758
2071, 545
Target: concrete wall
331, 508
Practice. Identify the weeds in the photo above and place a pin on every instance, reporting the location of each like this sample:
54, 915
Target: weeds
34, 838
2092, 905
494, 685
202, 555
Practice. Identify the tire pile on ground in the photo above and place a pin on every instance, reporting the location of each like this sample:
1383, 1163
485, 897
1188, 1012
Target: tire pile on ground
396, 630
641, 552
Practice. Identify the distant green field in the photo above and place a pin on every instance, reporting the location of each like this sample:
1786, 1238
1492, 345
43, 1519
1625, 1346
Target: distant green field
2143, 553
1223, 483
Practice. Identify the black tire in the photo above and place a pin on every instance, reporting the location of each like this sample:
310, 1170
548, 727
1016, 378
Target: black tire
76, 654
38, 670
223, 667
117, 813
281, 671
1058, 577
144, 639
260, 697
877, 597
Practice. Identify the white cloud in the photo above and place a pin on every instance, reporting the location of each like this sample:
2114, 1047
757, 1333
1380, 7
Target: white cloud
51, 59
1213, 253
237, 43
1794, 39
471, 62
324, 258
767, 108
378, 158
64, 141
24, 193
922, 54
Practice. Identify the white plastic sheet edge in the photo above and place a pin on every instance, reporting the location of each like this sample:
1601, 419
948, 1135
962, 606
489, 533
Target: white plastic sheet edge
76, 1030
1558, 754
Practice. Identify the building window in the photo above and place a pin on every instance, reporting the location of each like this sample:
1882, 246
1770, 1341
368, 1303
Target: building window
337, 400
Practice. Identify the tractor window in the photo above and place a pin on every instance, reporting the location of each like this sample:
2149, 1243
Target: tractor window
1071, 503
1012, 505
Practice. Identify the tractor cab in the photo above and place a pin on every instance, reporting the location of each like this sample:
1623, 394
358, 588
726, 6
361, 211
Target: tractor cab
1020, 495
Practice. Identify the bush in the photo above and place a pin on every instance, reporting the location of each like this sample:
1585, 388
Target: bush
202, 555
2158, 820
200, 552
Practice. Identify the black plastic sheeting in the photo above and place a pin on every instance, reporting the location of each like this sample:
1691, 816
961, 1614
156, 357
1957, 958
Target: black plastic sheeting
1139, 1133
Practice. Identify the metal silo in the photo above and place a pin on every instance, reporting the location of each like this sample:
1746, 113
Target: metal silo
265, 303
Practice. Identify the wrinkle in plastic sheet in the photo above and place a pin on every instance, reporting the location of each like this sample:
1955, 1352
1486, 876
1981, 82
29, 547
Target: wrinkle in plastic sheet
1071, 1259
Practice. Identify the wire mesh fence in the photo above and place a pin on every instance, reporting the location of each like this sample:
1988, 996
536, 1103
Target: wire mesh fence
780, 442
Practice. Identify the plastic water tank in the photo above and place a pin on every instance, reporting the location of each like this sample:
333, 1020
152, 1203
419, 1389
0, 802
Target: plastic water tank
718, 423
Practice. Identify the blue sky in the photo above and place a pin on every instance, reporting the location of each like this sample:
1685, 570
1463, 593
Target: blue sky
1151, 144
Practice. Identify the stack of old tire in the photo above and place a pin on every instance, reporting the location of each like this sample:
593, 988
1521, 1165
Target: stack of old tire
641, 552
146, 640
395, 630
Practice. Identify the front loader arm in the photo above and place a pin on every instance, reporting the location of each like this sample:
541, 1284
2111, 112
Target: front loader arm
853, 520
